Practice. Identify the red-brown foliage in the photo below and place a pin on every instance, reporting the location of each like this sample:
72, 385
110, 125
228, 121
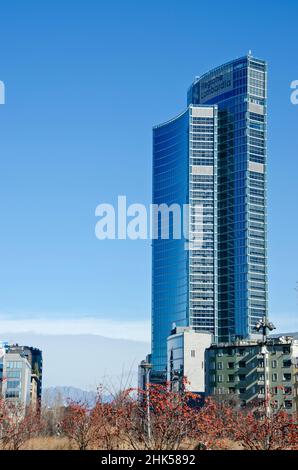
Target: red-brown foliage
17, 425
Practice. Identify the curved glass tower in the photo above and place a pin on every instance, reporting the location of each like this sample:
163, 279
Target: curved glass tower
184, 270
213, 156
239, 88
169, 259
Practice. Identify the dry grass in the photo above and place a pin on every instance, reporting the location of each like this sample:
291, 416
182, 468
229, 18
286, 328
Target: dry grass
62, 443
48, 443
227, 444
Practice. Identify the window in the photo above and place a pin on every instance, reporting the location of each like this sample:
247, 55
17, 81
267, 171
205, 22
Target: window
242, 364
287, 363
286, 377
13, 384
287, 390
231, 378
220, 378
231, 390
288, 404
12, 394
13, 374
220, 366
286, 349
193, 353
242, 377
274, 364
231, 365
274, 377
14, 365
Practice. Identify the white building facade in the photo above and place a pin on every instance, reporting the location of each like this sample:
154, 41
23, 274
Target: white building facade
186, 358
16, 379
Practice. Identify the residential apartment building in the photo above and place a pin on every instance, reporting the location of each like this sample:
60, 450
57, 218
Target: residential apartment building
2, 364
21, 374
18, 379
34, 357
239, 368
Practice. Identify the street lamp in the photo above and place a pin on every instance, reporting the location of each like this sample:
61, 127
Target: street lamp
265, 325
147, 367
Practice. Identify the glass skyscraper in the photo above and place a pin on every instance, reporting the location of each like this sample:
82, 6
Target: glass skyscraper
184, 271
213, 156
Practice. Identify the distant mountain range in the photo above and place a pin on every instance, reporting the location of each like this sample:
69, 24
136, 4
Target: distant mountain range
61, 396
75, 365
85, 361
293, 335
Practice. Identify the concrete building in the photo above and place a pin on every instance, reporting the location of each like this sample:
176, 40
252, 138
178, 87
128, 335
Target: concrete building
18, 378
34, 357
238, 368
186, 358
34, 391
21, 374
2, 365
295, 398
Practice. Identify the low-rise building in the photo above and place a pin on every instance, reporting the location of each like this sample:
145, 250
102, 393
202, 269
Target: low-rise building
2, 365
20, 374
295, 398
186, 359
18, 379
34, 357
239, 368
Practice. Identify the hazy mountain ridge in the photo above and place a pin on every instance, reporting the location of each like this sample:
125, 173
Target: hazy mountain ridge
85, 361
61, 396
293, 335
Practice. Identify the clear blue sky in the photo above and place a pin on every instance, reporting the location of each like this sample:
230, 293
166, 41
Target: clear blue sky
85, 82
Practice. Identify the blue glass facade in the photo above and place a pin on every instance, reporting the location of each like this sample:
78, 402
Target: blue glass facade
213, 156
239, 90
183, 269
169, 258
203, 295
